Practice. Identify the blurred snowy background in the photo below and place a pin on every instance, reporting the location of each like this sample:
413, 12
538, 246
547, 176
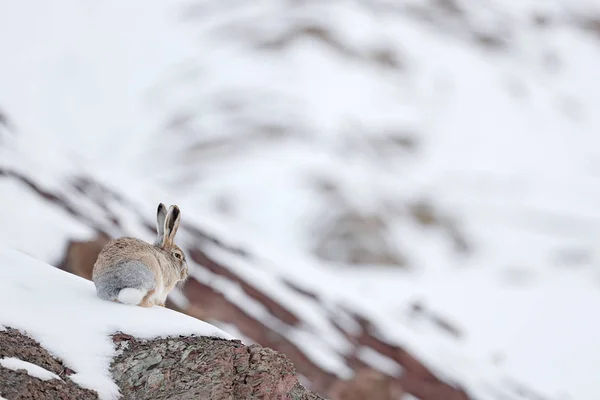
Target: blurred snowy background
403, 158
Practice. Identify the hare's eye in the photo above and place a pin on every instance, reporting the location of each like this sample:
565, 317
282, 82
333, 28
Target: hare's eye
177, 255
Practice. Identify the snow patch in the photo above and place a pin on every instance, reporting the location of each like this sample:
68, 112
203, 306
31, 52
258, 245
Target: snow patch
378, 361
34, 370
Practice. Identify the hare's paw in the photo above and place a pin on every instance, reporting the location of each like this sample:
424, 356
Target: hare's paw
148, 300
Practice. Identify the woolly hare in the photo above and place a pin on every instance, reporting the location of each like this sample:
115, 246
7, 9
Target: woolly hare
131, 271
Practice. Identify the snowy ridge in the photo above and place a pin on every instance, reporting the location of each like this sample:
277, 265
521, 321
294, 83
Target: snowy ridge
54, 305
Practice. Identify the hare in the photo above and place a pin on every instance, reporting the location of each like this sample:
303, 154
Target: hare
134, 272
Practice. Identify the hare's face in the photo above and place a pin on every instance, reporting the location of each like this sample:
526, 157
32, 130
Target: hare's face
180, 262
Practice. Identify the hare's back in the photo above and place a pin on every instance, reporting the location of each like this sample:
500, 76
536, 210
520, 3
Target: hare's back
121, 250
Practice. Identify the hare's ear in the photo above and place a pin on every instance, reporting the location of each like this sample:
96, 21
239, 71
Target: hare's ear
161, 216
171, 225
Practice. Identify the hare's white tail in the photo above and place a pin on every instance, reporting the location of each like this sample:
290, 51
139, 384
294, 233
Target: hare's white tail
132, 296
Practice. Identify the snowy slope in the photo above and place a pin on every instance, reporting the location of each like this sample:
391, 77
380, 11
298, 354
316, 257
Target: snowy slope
54, 305
250, 126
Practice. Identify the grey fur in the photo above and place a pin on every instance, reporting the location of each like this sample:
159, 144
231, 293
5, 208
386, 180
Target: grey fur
126, 274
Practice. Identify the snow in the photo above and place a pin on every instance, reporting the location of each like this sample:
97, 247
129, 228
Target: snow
507, 145
179, 298
378, 361
34, 370
55, 305
54, 224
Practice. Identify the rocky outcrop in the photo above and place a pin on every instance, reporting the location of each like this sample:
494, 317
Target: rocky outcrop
203, 368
